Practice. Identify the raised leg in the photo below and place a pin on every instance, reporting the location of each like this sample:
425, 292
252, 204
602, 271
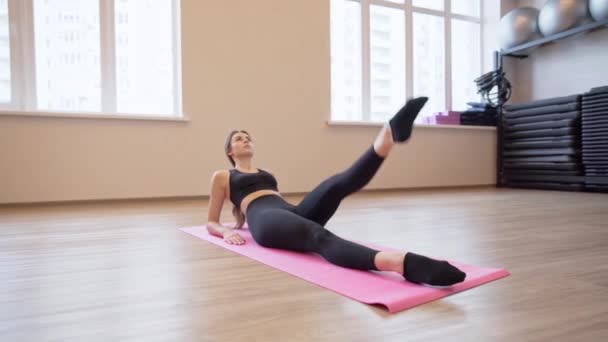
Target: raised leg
322, 202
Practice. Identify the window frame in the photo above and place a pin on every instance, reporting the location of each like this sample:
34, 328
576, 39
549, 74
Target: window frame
23, 54
409, 9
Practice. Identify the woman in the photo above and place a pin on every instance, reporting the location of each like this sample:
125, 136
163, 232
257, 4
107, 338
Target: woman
275, 223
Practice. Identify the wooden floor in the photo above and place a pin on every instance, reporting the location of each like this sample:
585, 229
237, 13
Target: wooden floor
123, 271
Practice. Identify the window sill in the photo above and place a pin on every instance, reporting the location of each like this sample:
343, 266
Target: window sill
81, 115
425, 126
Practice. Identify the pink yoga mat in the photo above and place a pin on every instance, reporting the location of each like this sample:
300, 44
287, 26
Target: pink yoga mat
370, 287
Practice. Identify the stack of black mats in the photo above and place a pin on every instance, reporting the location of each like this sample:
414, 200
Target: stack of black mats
595, 138
479, 114
541, 144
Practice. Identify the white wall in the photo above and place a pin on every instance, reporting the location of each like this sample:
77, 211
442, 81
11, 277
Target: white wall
257, 65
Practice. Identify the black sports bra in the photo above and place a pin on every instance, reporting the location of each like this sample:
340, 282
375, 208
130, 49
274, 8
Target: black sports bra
243, 184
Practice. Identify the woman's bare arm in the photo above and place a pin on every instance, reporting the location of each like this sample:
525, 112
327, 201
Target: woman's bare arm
216, 202
219, 182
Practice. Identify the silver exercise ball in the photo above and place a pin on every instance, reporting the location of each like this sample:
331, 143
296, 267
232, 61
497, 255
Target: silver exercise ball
560, 15
519, 26
598, 9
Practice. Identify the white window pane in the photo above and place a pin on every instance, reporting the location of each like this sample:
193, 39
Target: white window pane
68, 76
346, 82
466, 7
430, 4
429, 62
387, 66
397, 1
5, 55
144, 56
466, 63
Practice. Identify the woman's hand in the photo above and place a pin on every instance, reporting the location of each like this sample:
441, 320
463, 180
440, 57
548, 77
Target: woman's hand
233, 238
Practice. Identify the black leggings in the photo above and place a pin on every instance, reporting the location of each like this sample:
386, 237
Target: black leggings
275, 223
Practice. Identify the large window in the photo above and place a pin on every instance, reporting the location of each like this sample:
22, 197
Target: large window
385, 51
90, 56
5, 55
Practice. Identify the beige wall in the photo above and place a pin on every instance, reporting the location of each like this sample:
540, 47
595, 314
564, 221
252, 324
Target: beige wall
257, 65
570, 66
